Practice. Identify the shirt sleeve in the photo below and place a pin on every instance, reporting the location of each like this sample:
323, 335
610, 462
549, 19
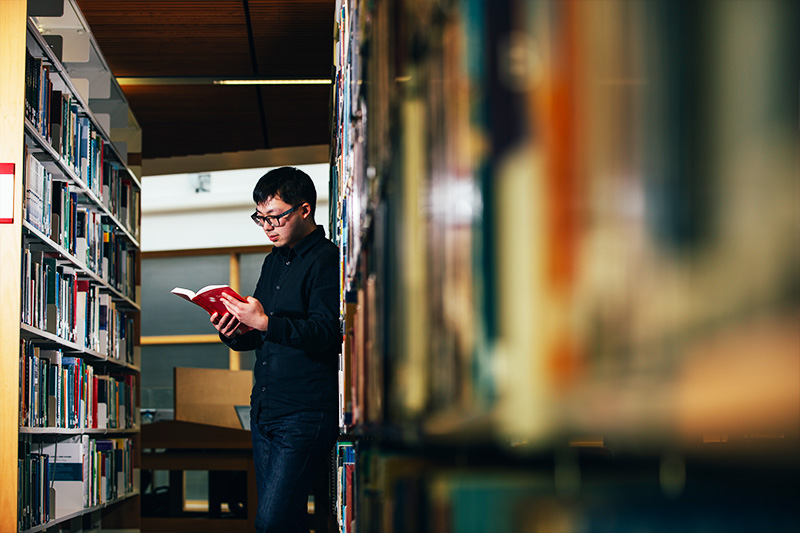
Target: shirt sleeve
244, 342
320, 331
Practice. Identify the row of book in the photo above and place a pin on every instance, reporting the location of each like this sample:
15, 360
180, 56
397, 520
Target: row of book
38, 94
345, 370
348, 189
399, 493
59, 391
55, 299
348, 183
81, 211
59, 478
339, 217
34, 495
345, 486
361, 365
121, 196
60, 211
57, 116
544, 258
38, 187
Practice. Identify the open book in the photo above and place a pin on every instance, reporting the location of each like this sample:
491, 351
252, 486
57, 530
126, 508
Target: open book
209, 298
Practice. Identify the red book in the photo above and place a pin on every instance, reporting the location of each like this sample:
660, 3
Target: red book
209, 298
349, 470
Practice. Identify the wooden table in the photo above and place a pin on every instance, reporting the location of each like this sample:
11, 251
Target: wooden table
190, 446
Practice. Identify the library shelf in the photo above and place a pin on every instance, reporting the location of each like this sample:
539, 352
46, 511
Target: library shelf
78, 431
75, 231
37, 142
551, 284
47, 338
79, 513
85, 271
36, 40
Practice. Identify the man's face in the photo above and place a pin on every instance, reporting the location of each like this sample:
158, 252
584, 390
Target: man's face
291, 228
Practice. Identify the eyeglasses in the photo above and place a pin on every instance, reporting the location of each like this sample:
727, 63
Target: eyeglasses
275, 221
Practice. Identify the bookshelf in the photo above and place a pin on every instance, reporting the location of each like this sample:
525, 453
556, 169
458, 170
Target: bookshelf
547, 302
69, 421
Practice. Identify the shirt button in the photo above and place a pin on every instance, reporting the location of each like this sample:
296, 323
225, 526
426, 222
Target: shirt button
271, 313
263, 389
264, 363
287, 263
278, 287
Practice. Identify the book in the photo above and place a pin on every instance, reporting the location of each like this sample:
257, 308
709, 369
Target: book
69, 462
209, 298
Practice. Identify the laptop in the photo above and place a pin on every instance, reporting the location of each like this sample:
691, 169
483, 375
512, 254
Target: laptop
243, 412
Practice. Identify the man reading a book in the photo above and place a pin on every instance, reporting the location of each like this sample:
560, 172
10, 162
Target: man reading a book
294, 313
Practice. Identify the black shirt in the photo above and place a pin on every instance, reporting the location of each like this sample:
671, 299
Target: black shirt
297, 357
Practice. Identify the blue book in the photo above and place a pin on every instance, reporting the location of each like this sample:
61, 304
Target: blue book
74, 366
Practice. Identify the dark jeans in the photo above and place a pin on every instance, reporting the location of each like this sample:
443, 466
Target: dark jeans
288, 453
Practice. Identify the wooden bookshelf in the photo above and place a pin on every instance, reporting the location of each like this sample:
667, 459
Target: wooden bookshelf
78, 514
13, 20
93, 278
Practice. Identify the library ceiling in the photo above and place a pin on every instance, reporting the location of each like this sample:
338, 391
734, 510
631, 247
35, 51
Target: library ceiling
171, 55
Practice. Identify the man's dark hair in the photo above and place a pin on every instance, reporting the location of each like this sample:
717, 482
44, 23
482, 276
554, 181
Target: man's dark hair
290, 184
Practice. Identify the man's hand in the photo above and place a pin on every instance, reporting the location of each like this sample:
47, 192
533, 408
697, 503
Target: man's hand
225, 324
250, 313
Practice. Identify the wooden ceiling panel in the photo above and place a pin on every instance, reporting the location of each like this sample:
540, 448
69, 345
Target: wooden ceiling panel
171, 38
219, 38
293, 39
198, 119
296, 116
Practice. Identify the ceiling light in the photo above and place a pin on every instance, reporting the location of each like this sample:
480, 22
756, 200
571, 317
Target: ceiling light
272, 82
206, 80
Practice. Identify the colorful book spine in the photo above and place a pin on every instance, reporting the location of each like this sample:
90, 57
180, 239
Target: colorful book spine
65, 392
345, 486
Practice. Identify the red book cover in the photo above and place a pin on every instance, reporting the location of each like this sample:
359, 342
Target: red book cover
349, 503
209, 298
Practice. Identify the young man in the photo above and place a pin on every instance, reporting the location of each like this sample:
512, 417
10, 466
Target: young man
295, 316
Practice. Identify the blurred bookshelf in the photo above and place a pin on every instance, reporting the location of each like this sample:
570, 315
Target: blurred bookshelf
569, 256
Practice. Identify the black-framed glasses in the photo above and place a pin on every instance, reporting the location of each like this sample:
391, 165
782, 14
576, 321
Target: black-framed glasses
275, 221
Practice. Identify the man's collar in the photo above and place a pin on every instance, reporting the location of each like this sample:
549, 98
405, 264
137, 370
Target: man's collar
306, 244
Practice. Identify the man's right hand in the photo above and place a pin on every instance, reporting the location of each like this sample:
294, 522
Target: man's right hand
226, 324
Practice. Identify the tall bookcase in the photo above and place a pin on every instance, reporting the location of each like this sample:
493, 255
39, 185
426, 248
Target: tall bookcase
555, 316
69, 304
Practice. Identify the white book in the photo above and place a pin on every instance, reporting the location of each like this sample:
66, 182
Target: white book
68, 467
102, 415
104, 323
80, 317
